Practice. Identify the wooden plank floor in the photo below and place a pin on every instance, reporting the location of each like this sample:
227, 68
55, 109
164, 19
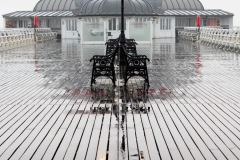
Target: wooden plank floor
48, 111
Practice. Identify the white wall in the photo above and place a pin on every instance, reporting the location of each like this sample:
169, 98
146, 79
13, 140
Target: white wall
157, 33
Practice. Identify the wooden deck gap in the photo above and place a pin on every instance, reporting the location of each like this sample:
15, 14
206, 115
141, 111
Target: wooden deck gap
24, 130
47, 133
154, 135
179, 132
107, 154
135, 132
161, 131
188, 131
208, 133
171, 134
81, 136
217, 125
100, 129
65, 134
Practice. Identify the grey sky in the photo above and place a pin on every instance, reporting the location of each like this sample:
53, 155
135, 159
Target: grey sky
7, 6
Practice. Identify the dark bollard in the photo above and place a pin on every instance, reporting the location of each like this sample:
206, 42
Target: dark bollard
141, 155
148, 109
123, 116
123, 143
145, 110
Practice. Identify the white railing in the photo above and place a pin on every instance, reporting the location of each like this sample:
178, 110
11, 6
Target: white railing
228, 39
12, 38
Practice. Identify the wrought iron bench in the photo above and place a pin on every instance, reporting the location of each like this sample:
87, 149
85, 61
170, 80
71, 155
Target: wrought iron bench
136, 65
103, 65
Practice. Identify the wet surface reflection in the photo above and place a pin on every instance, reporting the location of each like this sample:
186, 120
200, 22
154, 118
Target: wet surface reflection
64, 66
49, 108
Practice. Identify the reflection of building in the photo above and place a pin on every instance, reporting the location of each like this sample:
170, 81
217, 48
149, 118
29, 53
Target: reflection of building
144, 19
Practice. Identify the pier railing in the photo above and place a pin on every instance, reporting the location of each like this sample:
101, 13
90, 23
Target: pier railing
227, 39
12, 38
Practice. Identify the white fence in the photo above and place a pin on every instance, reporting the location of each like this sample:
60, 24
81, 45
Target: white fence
228, 39
12, 38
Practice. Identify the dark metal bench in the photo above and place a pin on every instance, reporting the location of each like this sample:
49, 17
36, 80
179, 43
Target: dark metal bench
136, 65
111, 44
103, 65
131, 46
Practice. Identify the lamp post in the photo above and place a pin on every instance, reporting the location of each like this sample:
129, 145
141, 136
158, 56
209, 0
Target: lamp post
122, 35
122, 42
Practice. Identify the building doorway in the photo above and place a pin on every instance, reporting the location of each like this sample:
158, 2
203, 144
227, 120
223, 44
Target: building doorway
114, 27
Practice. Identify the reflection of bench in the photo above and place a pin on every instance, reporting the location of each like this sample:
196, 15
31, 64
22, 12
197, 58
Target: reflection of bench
103, 65
45, 34
189, 33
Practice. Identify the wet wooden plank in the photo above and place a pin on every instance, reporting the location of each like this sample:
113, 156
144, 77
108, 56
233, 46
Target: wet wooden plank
175, 154
16, 89
20, 131
113, 137
103, 139
77, 114
149, 136
193, 134
4, 109
133, 151
122, 136
94, 140
202, 131
78, 133
182, 146
47, 122
217, 131
22, 92
34, 127
184, 133
232, 111
86, 137
52, 132
61, 133
159, 138
18, 119
224, 118
6, 118
141, 139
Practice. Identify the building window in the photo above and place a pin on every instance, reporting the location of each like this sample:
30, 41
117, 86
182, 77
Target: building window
112, 24
142, 19
185, 22
54, 23
71, 24
165, 23
22, 24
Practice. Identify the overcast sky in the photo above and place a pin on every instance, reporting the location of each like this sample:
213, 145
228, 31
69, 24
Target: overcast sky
7, 6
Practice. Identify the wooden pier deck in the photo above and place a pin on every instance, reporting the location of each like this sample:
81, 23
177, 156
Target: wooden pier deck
47, 110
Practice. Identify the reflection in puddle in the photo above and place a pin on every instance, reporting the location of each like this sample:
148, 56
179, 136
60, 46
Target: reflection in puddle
65, 65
